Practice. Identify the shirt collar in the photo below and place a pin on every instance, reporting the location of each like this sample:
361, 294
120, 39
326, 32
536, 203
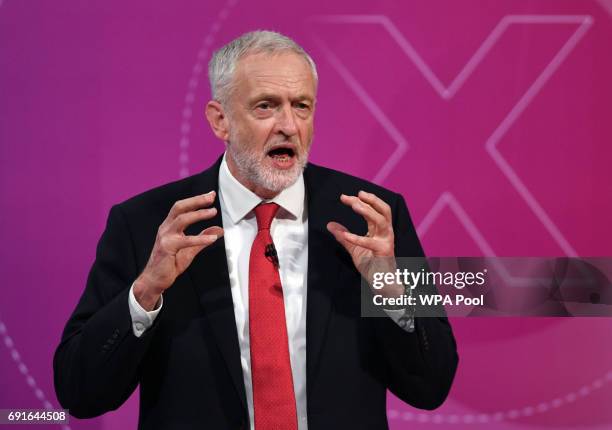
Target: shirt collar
239, 200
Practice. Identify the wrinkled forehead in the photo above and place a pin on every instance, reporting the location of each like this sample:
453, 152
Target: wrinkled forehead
286, 73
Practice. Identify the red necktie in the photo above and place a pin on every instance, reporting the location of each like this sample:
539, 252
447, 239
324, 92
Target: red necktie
273, 395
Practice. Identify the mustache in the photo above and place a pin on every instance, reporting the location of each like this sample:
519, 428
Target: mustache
292, 141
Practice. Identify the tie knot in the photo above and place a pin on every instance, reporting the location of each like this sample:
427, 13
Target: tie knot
264, 213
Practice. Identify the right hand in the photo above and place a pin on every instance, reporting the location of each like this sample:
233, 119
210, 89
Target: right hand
174, 251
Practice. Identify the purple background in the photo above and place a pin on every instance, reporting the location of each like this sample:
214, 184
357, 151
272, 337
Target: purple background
492, 118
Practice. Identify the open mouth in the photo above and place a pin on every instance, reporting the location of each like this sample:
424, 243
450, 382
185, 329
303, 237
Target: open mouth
282, 154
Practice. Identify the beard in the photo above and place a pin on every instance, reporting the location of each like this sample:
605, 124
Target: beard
252, 165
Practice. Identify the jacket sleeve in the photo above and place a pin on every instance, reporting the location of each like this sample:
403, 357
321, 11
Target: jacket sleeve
96, 365
419, 366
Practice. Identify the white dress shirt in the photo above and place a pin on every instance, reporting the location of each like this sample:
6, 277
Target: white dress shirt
289, 232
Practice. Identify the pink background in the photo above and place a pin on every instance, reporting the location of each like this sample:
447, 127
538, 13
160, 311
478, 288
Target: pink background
492, 118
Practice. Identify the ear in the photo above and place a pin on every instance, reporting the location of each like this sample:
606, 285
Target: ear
215, 114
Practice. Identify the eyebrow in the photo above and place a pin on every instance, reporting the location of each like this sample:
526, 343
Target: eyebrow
274, 97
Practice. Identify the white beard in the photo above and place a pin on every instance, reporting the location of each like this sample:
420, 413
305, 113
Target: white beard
251, 166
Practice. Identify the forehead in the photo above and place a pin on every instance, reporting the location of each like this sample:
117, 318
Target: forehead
280, 73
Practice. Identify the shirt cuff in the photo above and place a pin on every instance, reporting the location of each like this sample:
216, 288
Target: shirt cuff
142, 319
403, 318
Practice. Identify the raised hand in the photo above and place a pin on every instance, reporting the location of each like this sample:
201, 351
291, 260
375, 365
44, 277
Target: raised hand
173, 250
376, 250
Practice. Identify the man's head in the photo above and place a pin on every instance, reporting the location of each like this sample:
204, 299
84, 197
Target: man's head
264, 93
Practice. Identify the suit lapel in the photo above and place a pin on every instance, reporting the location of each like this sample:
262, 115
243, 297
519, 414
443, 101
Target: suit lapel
210, 276
323, 200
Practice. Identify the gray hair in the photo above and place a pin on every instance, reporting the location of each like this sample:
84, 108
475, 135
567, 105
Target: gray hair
222, 65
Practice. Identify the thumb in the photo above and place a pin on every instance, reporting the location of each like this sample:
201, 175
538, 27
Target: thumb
213, 231
189, 253
337, 230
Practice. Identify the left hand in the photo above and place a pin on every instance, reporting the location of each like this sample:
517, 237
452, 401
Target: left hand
374, 252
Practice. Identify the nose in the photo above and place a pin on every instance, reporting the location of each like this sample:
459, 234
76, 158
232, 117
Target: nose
286, 122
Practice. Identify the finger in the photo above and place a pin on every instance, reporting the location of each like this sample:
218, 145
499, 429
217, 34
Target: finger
177, 242
189, 252
216, 230
338, 230
209, 235
199, 240
368, 212
377, 203
205, 238
181, 222
191, 204
365, 242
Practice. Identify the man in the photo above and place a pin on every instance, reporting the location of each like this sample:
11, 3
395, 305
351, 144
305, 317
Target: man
233, 296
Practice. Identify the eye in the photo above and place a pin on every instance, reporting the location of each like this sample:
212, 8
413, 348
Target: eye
302, 105
264, 106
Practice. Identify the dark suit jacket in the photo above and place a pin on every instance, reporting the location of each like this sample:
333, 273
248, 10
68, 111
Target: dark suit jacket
188, 362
